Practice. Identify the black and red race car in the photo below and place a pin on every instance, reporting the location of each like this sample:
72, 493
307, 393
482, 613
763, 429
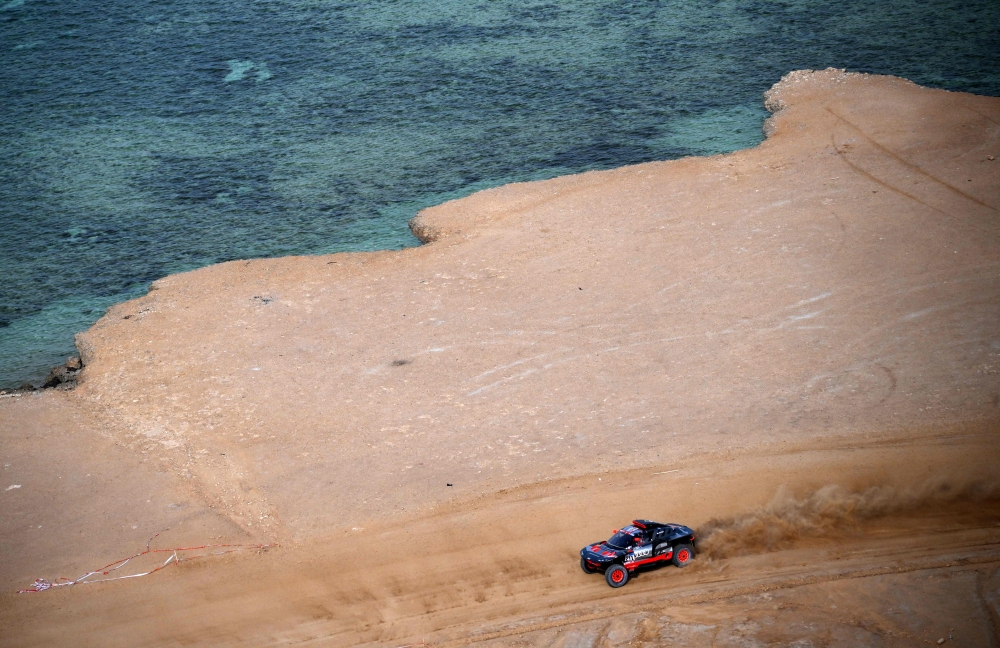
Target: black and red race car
642, 543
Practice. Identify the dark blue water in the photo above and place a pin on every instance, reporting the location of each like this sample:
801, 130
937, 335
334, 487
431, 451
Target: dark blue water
140, 139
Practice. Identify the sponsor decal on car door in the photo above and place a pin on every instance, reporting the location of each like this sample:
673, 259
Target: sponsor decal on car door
644, 551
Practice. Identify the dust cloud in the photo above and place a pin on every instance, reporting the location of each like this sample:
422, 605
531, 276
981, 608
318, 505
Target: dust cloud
831, 510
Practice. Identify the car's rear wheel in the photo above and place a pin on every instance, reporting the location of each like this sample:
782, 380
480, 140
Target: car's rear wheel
616, 575
683, 554
585, 567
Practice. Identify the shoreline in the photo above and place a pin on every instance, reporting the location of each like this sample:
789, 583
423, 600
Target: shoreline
449, 226
835, 285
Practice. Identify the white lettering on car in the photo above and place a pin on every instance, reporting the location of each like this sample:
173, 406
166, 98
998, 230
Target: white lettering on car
640, 552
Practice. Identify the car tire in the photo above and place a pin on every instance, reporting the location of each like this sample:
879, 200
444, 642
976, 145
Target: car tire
616, 576
584, 567
683, 555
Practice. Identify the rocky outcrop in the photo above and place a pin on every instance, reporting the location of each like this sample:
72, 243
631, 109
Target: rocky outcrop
64, 376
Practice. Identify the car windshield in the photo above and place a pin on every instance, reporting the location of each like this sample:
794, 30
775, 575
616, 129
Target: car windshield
623, 539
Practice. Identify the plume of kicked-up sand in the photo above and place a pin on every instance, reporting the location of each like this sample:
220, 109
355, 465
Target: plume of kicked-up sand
827, 510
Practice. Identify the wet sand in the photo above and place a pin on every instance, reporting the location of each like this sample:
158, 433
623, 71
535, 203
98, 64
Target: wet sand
831, 294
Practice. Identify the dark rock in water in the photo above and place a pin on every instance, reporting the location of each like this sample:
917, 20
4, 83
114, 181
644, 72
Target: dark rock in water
26, 387
64, 375
56, 376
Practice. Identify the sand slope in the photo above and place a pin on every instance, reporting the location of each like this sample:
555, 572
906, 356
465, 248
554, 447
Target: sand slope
502, 570
841, 278
839, 284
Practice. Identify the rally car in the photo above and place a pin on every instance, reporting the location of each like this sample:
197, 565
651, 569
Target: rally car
640, 544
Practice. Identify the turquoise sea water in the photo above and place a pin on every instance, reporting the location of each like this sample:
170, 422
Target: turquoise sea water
139, 139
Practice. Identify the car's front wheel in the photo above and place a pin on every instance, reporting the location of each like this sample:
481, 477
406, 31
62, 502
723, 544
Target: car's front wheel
585, 567
683, 554
616, 575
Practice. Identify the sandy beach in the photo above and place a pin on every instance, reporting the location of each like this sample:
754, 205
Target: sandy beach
725, 338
